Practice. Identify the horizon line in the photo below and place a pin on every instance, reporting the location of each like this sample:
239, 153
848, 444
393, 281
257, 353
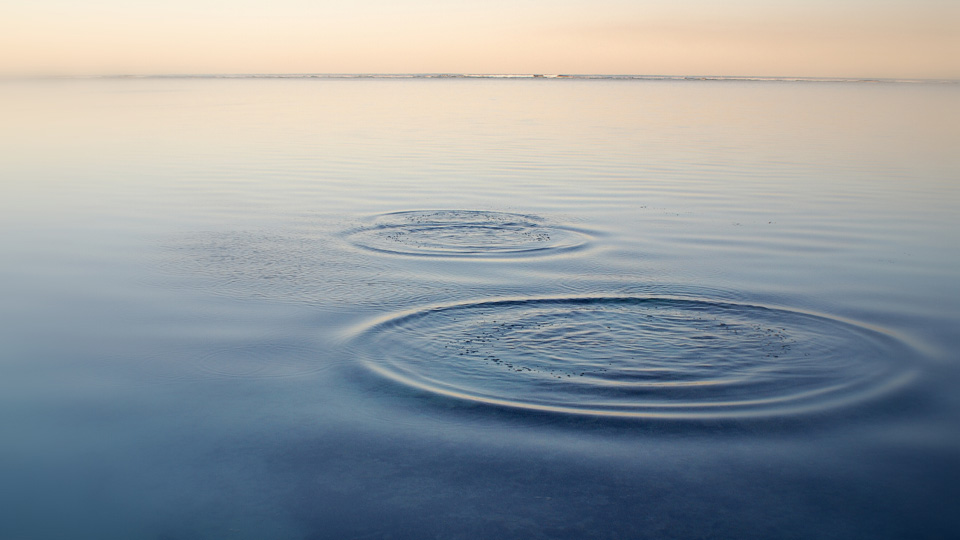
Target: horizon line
453, 75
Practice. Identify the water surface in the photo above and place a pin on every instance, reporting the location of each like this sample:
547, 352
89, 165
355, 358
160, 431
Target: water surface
470, 308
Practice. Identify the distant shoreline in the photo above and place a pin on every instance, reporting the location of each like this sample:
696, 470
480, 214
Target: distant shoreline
523, 76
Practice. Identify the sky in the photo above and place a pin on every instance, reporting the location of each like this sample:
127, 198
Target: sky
803, 38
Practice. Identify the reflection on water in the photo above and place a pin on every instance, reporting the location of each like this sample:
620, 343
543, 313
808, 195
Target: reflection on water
468, 308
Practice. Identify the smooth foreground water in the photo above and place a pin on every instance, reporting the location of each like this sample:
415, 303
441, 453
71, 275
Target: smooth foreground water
478, 309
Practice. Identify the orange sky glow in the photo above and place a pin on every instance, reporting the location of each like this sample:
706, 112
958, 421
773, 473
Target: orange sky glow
852, 38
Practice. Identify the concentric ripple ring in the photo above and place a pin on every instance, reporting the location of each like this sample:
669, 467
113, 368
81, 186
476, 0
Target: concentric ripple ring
465, 233
635, 356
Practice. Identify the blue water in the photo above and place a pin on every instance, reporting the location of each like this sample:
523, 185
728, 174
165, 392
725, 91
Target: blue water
315, 308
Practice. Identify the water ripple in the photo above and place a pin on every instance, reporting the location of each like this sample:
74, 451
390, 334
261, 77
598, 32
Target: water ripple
465, 233
635, 356
286, 266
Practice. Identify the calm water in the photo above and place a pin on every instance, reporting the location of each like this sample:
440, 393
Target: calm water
471, 309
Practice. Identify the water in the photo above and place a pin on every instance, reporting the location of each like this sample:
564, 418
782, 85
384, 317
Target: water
479, 308
634, 357
463, 233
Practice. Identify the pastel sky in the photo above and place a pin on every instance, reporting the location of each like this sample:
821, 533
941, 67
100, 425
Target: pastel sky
818, 38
